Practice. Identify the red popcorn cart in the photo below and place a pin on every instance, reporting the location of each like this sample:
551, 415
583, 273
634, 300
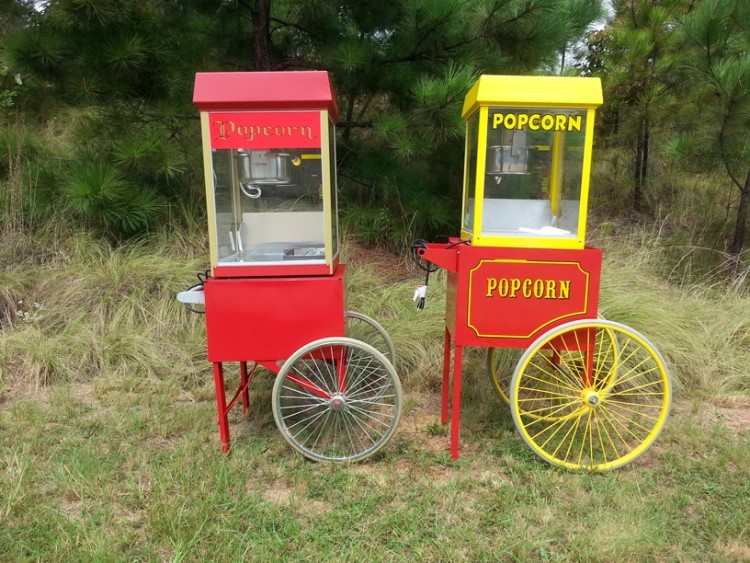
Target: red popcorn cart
585, 393
275, 295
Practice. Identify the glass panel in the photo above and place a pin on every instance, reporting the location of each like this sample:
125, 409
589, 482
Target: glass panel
269, 205
472, 136
533, 172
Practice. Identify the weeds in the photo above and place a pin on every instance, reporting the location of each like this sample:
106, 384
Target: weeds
110, 447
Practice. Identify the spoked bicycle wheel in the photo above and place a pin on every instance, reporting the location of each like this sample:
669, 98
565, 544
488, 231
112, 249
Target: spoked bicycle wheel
590, 395
337, 399
361, 327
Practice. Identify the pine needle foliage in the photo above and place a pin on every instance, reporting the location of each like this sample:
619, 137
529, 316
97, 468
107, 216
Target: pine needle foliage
131, 65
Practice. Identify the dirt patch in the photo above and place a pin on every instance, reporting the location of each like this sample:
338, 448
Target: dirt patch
735, 418
731, 412
422, 425
734, 551
283, 494
395, 268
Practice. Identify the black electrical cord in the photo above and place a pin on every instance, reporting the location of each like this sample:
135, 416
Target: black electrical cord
202, 277
422, 264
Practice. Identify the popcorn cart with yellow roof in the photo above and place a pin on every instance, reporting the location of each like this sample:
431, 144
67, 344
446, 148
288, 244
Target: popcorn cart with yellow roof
584, 392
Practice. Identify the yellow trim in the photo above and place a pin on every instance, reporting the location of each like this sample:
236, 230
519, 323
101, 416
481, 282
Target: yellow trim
586, 174
467, 159
481, 164
533, 91
327, 179
310, 156
208, 179
465, 191
515, 261
527, 242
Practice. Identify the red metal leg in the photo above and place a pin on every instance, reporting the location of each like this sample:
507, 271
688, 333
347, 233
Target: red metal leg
456, 406
243, 386
446, 376
221, 404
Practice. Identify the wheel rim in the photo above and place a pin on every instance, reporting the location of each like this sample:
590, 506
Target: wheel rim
337, 399
590, 395
501, 362
361, 327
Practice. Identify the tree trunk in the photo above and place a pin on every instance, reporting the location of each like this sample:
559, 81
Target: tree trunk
261, 13
738, 242
641, 167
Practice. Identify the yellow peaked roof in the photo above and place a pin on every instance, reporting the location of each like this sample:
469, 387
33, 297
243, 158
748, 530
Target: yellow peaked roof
530, 91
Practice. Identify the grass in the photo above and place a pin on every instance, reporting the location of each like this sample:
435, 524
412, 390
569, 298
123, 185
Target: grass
109, 448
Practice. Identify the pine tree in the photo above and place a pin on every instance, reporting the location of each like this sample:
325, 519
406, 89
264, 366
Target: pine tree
636, 56
716, 63
400, 69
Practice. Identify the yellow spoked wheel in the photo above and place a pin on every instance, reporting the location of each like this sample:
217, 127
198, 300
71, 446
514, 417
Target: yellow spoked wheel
590, 395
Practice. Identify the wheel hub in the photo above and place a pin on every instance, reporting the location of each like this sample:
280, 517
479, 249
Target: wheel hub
338, 402
591, 398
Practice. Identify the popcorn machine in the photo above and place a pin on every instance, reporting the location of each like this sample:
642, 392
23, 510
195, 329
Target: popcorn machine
584, 392
275, 294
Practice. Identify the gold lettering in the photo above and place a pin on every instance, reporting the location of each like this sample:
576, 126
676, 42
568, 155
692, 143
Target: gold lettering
551, 286
515, 285
564, 292
538, 288
225, 128
491, 286
502, 287
249, 132
527, 288
536, 121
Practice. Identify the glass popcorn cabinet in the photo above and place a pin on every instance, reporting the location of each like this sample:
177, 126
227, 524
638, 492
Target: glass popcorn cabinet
528, 157
270, 174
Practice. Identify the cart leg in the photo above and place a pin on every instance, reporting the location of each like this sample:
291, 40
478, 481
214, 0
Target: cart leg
456, 406
243, 385
221, 404
446, 376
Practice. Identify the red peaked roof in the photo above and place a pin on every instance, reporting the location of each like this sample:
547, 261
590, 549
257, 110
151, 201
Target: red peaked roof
298, 90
